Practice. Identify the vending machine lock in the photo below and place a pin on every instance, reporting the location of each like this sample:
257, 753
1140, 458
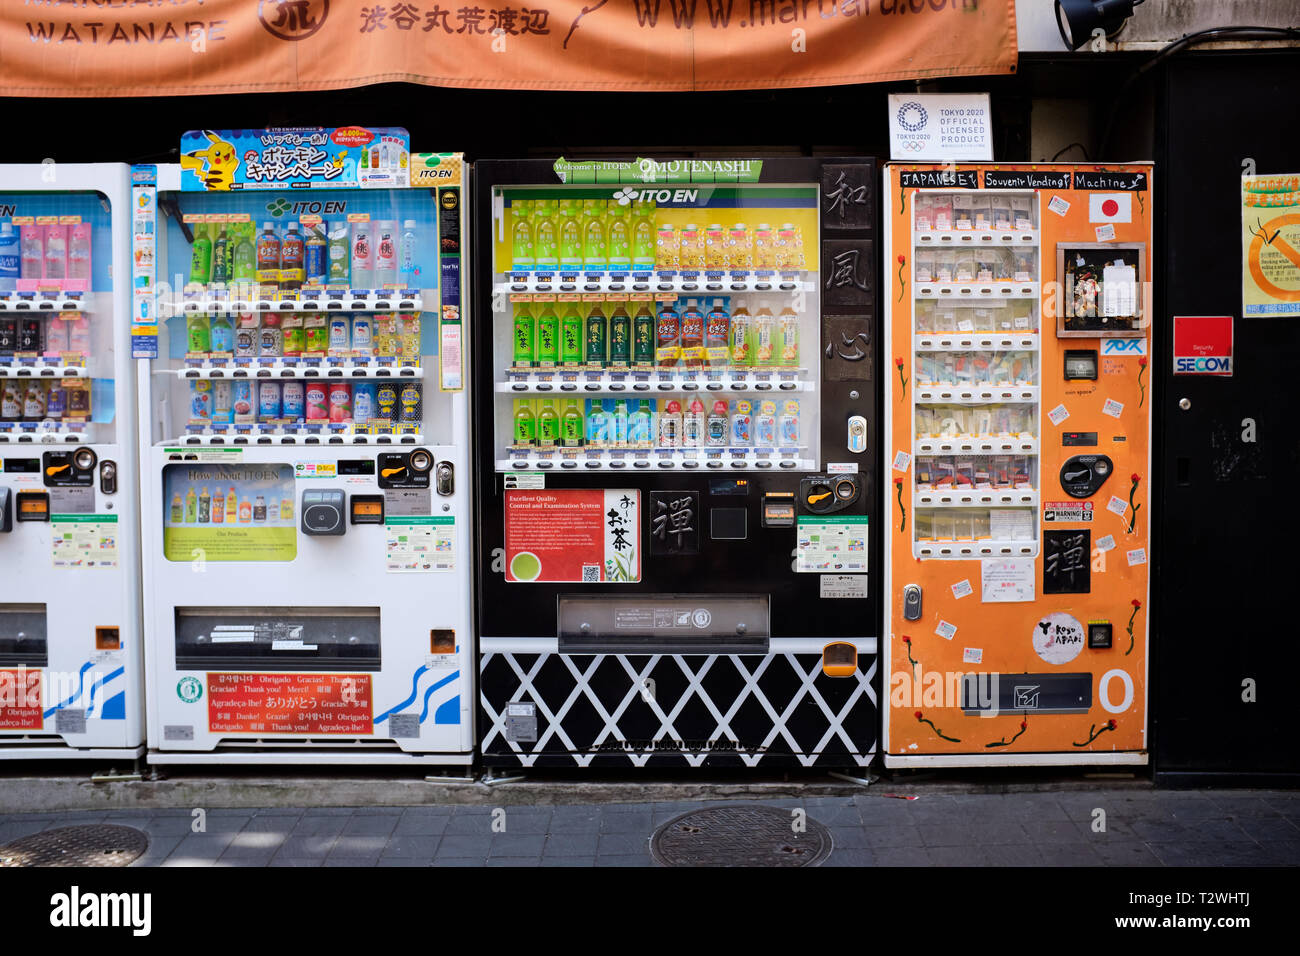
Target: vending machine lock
857, 442
912, 602
1082, 475
108, 477
445, 478
322, 512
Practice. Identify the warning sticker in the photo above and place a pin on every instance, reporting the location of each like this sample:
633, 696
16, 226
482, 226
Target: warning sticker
1067, 511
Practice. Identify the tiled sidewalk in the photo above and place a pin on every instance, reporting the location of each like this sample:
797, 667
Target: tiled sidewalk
1142, 828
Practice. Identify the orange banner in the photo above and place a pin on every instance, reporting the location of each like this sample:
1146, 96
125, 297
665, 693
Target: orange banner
174, 47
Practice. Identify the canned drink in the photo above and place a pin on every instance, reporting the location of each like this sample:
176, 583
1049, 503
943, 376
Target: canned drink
222, 402
340, 397
411, 404
56, 401
268, 401
242, 401
318, 409
365, 398
386, 402
201, 401
246, 342
292, 400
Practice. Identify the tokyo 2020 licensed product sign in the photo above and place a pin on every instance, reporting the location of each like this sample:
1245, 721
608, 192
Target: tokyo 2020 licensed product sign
229, 513
573, 535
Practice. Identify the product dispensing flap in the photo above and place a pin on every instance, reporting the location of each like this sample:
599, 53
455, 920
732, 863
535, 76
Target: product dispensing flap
664, 623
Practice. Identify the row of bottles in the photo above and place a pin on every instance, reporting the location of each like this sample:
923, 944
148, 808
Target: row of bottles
203, 507
53, 336
681, 333
43, 400
305, 334
48, 252
653, 423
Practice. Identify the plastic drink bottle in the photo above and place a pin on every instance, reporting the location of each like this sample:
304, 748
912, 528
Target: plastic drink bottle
245, 259
571, 336
666, 247
788, 424
362, 333
10, 257
741, 335
692, 333
315, 333
596, 334
232, 506
197, 333
643, 336
524, 335
314, 263
242, 403
572, 425
618, 238
742, 423
291, 259
764, 336
593, 234
548, 336
32, 252
339, 253
765, 424
638, 423
56, 401
670, 424
525, 423
789, 323
644, 243
693, 424
365, 399
690, 247
218, 508
222, 267
34, 400
56, 252
201, 256
178, 509
340, 334
597, 423
271, 344
222, 402
521, 234
616, 414
205, 506
715, 247
191, 506
269, 401
668, 335
546, 240
620, 337
221, 336
718, 425
406, 260
200, 400
740, 247
570, 234
362, 267
717, 329
56, 334
548, 424
268, 254
764, 247
292, 333
385, 253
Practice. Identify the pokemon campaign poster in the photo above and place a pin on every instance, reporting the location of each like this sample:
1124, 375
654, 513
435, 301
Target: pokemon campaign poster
349, 157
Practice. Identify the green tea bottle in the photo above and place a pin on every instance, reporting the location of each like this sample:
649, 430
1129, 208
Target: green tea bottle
548, 336
596, 328
548, 424
525, 334
571, 336
620, 337
525, 423
572, 426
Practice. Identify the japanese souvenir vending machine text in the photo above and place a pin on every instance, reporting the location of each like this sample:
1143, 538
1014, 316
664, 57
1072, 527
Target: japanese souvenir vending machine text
676, 433
71, 659
1018, 426
308, 493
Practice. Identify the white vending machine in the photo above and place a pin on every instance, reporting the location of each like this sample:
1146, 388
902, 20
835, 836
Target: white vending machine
307, 492
70, 637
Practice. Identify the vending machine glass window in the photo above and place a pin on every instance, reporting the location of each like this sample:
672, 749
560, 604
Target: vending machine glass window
308, 423
73, 669
676, 433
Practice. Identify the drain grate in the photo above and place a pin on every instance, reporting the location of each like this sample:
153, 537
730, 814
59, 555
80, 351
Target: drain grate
90, 845
739, 835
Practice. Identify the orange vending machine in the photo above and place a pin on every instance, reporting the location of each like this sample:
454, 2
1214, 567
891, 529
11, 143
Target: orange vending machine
1018, 424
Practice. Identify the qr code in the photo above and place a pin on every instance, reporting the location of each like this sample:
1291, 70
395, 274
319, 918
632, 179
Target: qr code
591, 574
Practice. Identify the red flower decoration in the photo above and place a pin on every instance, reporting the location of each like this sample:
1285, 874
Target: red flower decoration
906, 639
1112, 724
1137, 603
1024, 724
899, 482
1142, 361
1135, 477
902, 260
898, 362
917, 715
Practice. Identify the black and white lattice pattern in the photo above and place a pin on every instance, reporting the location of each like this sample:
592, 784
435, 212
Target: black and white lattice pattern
678, 710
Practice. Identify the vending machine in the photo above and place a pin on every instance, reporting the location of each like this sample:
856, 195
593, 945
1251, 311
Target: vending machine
298, 307
1018, 426
676, 436
70, 640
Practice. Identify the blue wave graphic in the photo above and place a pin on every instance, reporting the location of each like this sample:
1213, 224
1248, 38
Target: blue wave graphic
432, 687
415, 683
81, 685
448, 712
90, 705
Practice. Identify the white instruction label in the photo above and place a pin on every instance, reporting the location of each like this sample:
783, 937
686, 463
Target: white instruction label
1058, 414
901, 460
962, 589
1112, 408
946, 631
844, 585
1137, 556
1107, 543
1117, 505
1058, 206
1006, 580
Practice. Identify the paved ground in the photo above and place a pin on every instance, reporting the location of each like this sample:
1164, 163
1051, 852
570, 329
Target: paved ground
1142, 828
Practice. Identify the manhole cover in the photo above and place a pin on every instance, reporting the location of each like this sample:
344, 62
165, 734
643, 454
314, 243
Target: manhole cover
91, 845
739, 835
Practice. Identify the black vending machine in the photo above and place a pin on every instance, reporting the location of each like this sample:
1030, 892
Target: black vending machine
677, 435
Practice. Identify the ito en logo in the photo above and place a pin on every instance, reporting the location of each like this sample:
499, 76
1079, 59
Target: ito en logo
189, 689
292, 19
625, 196
278, 207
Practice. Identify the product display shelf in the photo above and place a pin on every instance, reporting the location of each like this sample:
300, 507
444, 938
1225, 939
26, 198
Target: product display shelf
651, 380
703, 282
324, 300
662, 459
